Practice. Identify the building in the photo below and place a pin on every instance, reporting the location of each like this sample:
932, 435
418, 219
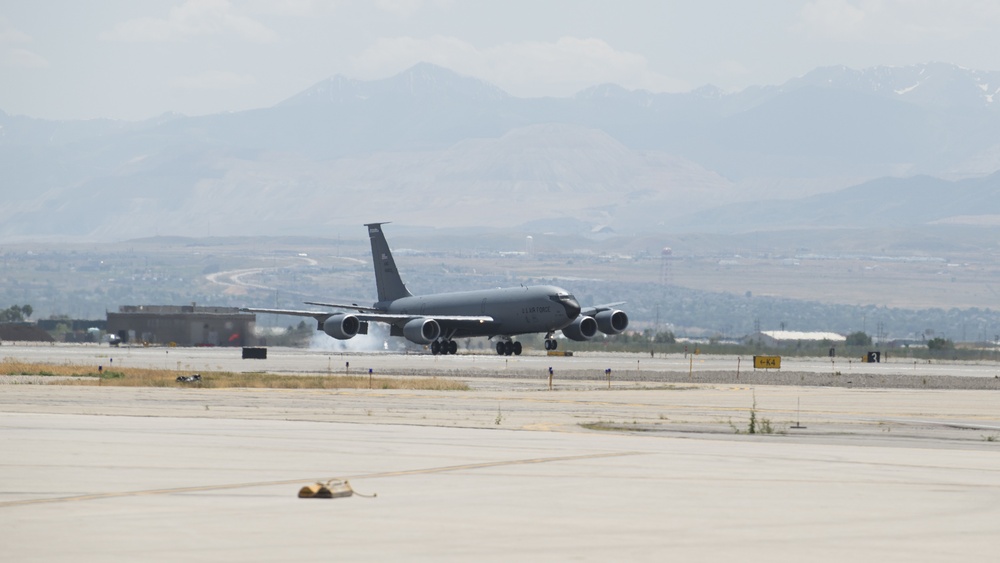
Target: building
75, 330
23, 332
75, 325
185, 325
789, 338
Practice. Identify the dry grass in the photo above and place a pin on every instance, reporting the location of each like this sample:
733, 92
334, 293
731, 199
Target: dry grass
148, 377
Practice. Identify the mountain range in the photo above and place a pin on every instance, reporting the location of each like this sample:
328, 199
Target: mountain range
836, 148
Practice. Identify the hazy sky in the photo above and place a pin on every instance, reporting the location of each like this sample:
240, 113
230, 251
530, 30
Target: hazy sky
131, 59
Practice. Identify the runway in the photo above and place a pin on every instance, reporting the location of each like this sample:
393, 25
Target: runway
533, 364
507, 470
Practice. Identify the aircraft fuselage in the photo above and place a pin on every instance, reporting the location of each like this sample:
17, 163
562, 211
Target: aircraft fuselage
515, 310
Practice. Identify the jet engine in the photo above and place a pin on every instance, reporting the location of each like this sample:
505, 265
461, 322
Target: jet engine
341, 326
583, 328
612, 322
422, 331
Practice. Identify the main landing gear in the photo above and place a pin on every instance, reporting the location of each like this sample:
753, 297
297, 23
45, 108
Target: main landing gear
443, 346
507, 347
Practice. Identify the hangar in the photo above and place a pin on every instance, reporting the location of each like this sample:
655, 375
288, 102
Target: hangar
23, 332
184, 325
787, 338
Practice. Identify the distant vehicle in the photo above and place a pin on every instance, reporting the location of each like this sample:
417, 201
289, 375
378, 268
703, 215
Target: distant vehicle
437, 320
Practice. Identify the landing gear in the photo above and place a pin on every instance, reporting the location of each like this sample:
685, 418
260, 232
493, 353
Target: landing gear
550, 342
508, 347
444, 346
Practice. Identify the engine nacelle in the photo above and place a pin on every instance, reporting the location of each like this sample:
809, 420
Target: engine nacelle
422, 331
341, 326
583, 328
612, 322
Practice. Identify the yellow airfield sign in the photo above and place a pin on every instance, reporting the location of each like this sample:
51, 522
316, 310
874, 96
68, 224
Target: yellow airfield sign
767, 362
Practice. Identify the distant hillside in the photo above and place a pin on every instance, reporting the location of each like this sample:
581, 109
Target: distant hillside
430, 147
881, 203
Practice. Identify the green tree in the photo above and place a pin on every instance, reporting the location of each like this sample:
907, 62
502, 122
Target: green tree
858, 339
940, 344
664, 337
60, 332
15, 314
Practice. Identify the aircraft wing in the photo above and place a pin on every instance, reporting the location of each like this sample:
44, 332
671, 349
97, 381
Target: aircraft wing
593, 310
320, 316
371, 314
450, 320
389, 318
353, 306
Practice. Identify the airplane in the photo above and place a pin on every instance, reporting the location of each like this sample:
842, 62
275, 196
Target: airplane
437, 320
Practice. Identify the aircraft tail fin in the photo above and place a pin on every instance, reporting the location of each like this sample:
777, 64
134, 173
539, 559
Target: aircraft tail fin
390, 285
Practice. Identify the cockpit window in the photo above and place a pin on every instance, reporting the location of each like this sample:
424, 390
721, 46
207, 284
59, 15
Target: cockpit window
568, 303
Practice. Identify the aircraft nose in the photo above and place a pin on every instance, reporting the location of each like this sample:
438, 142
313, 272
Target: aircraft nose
572, 307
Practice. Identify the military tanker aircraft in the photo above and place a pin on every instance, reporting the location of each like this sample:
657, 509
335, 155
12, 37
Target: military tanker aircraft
437, 320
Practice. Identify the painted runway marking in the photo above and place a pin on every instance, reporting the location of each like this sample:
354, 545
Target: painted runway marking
381, 475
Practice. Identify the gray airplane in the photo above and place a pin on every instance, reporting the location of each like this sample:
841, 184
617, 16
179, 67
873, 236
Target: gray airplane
437, 320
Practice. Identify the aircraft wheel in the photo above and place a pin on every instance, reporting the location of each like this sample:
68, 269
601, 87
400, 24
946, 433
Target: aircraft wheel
508, 348
517, 348
555, 344
435, 347
500, 348
452, 347
548, 344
